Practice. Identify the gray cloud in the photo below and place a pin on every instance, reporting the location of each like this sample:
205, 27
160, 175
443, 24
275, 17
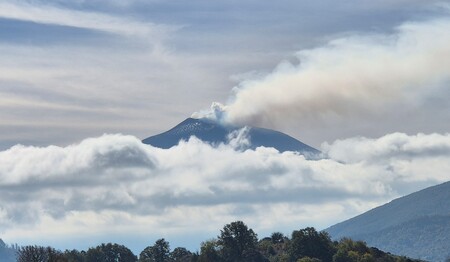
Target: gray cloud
116, 181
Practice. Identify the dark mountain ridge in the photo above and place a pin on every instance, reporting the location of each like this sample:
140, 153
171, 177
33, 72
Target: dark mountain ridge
416, 225
214, 133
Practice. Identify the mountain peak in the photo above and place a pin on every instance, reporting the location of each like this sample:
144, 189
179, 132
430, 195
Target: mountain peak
215, 133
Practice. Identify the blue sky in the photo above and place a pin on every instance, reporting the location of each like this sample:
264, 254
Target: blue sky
369, 77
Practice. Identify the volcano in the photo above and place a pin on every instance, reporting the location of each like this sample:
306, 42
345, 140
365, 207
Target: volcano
215, 133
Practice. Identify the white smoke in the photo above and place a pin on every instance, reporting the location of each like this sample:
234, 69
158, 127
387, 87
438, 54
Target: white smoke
240, 138
358, 76
216, 112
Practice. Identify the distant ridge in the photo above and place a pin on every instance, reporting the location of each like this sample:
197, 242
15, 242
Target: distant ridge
416, 225
215, 133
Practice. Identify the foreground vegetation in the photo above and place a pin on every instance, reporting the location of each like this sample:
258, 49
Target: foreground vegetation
235, 243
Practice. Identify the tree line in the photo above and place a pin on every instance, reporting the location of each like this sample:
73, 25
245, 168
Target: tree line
235, 243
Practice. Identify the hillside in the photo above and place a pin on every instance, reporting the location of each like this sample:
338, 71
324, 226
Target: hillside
417, 225
425, 238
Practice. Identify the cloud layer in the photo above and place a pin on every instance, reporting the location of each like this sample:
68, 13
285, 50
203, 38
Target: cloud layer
115, 181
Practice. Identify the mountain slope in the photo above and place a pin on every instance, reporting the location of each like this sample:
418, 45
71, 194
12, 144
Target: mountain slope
425, 238
214, 133
417, 225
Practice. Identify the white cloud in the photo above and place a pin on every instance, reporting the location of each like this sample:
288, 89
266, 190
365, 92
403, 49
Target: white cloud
395, 146
115, 181
47, 14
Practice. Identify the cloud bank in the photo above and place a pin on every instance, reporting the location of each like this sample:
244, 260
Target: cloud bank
114, 184
360, 76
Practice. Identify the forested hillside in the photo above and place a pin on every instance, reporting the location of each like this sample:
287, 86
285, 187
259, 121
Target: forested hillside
416, 225
426, 237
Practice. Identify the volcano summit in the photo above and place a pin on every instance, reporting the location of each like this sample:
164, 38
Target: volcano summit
215, 133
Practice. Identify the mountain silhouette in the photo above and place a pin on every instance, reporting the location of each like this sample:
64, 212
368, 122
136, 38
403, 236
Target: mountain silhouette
215, 133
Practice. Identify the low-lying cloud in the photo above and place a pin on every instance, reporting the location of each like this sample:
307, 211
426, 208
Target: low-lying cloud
114, 182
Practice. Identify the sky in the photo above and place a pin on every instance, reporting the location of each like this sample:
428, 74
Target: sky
82, 82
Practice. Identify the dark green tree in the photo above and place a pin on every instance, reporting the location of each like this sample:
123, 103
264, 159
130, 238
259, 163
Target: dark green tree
277, 237
235, 239
209, 251
159, 252
32, 254
180, 254
275, 247
356, 251
253, 255
266, 247
75, 255
110, 253
308, 242
308, 259
55, 255
39, 254
341, 256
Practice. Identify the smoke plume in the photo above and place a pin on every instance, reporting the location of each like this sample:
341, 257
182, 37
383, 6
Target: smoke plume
353, 76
